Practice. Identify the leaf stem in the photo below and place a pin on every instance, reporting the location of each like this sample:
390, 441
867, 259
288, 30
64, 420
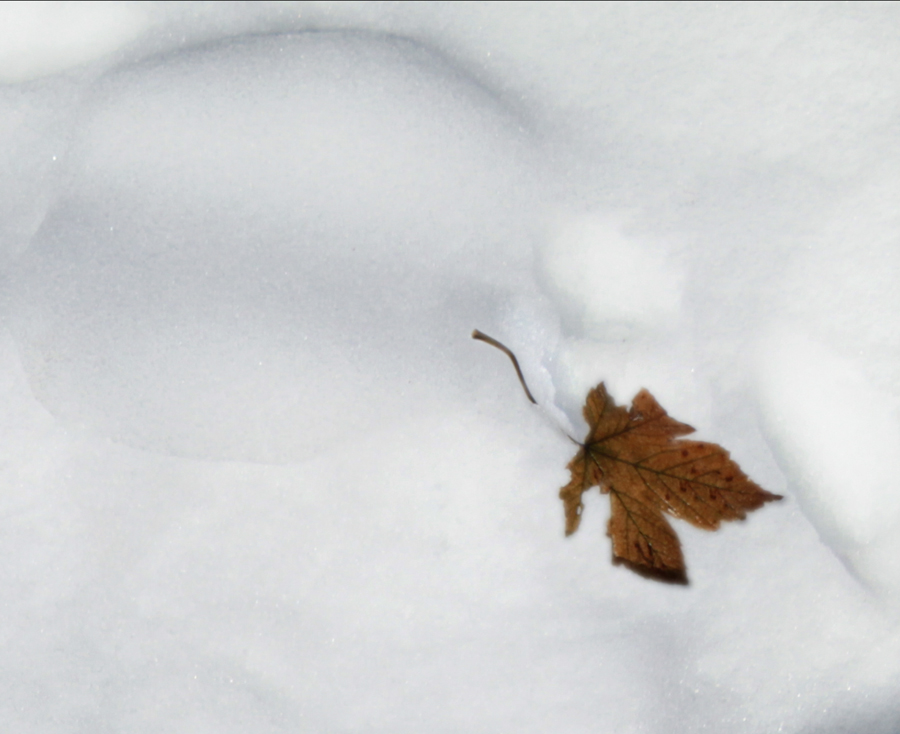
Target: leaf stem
503, 348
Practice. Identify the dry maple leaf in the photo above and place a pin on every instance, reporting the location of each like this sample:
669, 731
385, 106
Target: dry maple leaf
637, 458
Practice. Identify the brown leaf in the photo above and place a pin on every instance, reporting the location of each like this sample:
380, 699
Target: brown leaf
636, 458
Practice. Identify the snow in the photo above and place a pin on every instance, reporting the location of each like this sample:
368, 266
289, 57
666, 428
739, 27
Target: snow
45, 38
257, 476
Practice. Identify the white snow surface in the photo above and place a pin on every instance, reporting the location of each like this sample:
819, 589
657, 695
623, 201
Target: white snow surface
257, 477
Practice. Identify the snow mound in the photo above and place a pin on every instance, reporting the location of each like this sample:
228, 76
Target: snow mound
249, 219
839, 442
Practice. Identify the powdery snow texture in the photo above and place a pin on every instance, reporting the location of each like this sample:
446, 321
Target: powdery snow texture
256, 476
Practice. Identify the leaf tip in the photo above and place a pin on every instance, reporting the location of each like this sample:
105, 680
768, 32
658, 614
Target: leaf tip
763, 496
674, 576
